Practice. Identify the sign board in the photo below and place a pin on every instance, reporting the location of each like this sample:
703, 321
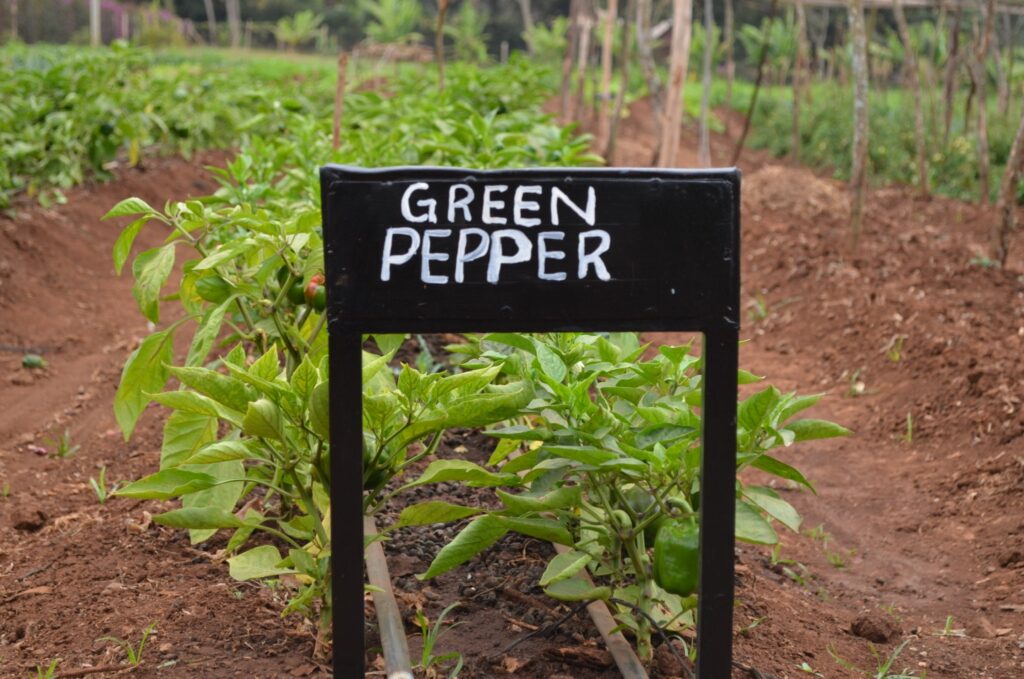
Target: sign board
542, 250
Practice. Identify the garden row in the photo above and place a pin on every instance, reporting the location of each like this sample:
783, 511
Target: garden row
598, 443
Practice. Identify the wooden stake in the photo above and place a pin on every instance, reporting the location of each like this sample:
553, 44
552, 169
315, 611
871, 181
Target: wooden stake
570, 52
799, 76
620, 97
762, 58
682, 25
389, 618
915, 89
339, 98
607, 45
1007, 223
858, 173
704, 144
442, 10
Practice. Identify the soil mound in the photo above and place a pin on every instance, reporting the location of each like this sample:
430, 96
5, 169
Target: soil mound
797, 192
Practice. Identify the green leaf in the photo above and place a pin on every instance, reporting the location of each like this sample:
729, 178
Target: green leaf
551, 364
520, 432
464, 471
480, 534
752, 527
752, 412
389, 344
304, 379
259, 562
144, 373
167, 484
747, 377
124, 242
434, 511
563, 566
263, 418
566, 496
198, 517
130, 206
320, 411
542, 529
152, 268
582, 454
577, 589
222, 451
187, 401
185, 434
807, 430
206, 333
775, 506
792, 405
769, 464
224, 495
512, 339
227, 390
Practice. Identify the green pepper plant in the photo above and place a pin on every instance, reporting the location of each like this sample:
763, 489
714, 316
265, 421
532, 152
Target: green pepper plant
605, 459
246, 446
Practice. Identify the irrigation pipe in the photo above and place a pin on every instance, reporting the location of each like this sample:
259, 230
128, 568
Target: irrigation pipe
389, 619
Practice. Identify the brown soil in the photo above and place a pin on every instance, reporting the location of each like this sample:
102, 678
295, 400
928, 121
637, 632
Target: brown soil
904, 531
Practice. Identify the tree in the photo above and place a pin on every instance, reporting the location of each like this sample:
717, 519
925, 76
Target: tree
393, 20
682, 26
730, 49
620, 96
296, 30
979, 81
95, 36
914, 74
234, 13
858, 172
527, 12
800, 75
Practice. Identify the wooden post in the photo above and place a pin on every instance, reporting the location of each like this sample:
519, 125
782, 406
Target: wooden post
949, 84
912, 70
607, 45
1007, 204
95, 33
586, 25
211, 20
646, 57
339, 98
442, 10
704, 143
858, 172
682, 25
14, 20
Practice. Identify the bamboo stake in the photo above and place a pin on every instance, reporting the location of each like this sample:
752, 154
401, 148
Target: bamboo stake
339, 98
730, 50
799, 76
682, 19
392, 632
570, 52
95, 36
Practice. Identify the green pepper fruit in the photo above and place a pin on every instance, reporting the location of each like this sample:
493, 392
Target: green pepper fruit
296, 293
320, 298
642, 503
677, 556
213, 289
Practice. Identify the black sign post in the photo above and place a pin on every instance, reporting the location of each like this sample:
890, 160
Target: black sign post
543, 250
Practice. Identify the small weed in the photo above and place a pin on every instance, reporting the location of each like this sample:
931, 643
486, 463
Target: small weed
894, 350
134, 653
857, 386
5, 491
63, 448
431, 634
948, 630
908, 435
984, 262
890, 610
802, 578
840, 559
753, 623
757, 308
883, 670
50, 672
819, 534
100, 486
804, 667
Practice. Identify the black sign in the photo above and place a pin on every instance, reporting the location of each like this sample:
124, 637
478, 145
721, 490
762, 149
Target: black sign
441, 249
